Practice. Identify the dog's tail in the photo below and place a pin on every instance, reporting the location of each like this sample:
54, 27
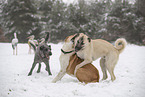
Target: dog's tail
120, 44
47, 37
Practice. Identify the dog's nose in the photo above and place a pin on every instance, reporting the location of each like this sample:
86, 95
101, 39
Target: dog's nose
76, 49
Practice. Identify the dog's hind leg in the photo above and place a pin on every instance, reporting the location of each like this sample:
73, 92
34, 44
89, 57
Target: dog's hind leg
33, 66
103, 68
16, 50
39, 68
110, 63
48, 67
62, 72
111, 72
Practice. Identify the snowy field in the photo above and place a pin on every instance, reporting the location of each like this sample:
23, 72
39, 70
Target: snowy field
14, 82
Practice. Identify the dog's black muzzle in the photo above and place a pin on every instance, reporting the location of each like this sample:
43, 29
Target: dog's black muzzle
77, 48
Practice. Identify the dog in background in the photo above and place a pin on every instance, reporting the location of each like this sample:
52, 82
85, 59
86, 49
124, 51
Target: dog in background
87, 74
32, 43
42, 54
90, 50
14, 44
66, 52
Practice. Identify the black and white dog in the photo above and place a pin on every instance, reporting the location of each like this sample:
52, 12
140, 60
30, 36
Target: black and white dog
42, 54
32, 43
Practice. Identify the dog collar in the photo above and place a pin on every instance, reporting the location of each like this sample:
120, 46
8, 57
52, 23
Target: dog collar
66, 52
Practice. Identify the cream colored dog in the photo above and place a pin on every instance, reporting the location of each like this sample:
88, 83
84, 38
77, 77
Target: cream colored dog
90, 50
66, 52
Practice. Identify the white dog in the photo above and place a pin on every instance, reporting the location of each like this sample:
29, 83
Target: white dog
14, 43
90, 50
66, 52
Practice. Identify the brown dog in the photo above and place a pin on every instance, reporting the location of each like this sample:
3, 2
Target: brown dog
88, 73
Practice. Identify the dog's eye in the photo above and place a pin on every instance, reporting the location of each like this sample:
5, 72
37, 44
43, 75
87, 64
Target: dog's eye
82, 43
49, 47
72, 41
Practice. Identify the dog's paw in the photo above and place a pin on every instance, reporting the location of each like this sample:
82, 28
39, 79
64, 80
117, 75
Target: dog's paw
54, 81
29, 74
50, 74
38, 71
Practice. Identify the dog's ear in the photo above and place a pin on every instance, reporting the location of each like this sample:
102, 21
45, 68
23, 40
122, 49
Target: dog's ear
75, 37
49, 47
82, 38
42, 47
89, 39
47, 37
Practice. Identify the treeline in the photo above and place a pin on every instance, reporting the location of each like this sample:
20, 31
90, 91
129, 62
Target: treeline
104, 19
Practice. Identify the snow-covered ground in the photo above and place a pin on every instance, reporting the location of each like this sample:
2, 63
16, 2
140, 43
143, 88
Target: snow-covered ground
14, 82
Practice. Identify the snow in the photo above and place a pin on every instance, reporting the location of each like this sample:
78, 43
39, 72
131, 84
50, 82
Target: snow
14, 82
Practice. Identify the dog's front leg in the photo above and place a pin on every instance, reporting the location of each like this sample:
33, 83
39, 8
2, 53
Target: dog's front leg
48, 67
62, 72
59, 76
16, 50
39, 68
13, 51
33, 66
64, 61
81, 65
